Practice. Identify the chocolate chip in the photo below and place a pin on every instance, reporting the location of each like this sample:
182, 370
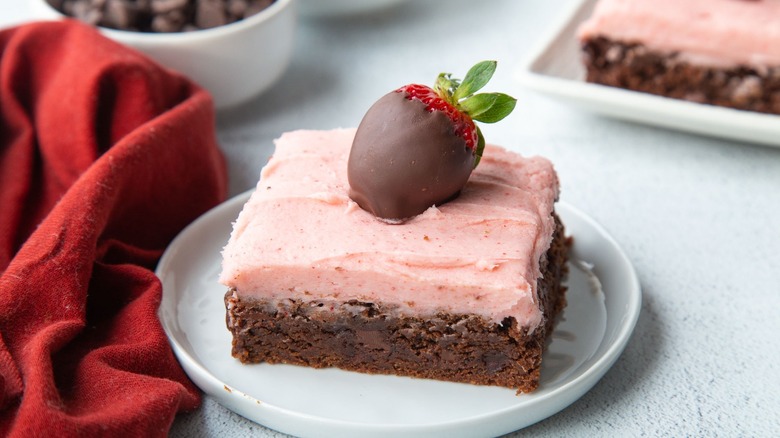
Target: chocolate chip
83, 10
164, 6
160, 15
210, 13
172, 21
119, 14
257, 6
237, 8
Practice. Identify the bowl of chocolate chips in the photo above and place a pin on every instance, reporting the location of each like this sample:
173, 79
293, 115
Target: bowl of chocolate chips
236, 49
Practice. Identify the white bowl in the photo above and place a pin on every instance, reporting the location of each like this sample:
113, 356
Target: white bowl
234, 62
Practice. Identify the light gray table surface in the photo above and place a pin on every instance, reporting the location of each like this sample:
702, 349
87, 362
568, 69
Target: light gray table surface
699, 217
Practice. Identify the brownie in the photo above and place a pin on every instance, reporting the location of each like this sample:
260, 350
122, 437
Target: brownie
635, 67
376, 338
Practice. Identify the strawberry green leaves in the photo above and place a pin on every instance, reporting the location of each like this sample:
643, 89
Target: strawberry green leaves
483, 107
488, 108
477, 77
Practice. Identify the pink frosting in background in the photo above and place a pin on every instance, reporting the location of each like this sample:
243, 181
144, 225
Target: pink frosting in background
713, 32
300, 235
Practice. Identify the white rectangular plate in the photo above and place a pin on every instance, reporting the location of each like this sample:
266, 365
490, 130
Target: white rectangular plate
555, 69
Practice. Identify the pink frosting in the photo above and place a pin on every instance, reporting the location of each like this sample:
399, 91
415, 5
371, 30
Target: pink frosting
716, 32
300, 235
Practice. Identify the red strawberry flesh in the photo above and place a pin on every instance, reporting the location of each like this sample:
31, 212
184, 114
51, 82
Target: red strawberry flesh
461, 122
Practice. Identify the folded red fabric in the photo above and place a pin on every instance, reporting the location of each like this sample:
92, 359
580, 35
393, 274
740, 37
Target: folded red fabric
104, 158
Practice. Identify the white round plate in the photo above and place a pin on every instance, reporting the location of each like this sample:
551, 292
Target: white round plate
307, 402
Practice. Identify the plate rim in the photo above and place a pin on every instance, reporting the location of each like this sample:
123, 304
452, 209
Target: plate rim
675, 114
574, 388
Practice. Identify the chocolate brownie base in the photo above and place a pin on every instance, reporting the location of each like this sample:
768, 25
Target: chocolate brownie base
635, 67
376, 338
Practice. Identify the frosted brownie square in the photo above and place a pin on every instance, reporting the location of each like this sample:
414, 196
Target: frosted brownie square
466, 292
718, 52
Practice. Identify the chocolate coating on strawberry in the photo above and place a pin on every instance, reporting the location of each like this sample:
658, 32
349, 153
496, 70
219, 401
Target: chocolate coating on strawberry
416, 146
399, 173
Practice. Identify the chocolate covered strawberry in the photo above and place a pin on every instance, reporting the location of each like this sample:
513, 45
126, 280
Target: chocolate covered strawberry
416, 146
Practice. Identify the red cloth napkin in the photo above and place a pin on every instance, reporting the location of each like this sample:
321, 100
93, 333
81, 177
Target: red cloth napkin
104, 158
